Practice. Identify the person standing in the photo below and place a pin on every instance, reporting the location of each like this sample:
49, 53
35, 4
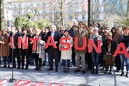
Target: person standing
80, 54
71, 32
38, 53
25, 51
109, 46
53, 53
43, 35
4, 49
125, 39
116, 38
94, 55
66, 54
17, 51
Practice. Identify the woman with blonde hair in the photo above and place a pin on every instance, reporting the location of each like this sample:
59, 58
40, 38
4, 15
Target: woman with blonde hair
39, 53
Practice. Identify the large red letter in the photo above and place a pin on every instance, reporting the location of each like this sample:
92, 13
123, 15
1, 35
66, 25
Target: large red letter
34, 42
50, 42
3, 82
22, 83
11, 43
92, 45
83, 43
64, 44
23, 41
121, 49
55, 84
38, 84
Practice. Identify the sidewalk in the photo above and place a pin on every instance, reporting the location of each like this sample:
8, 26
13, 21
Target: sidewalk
67, 79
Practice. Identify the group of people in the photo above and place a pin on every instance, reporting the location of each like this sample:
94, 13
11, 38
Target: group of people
22, 58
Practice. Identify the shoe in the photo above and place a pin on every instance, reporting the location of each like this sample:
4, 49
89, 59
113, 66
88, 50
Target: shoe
102, 68
56, 70
4, 66
18, 68
117, 70
92, 72
39, 68
105, 72
96, 72
122, 73
126, 74
83, 72
50, 69
26, 68
14, 66
36, 69
77, 70
110, 72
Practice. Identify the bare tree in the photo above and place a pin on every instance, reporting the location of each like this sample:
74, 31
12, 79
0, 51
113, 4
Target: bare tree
128, 8
1, 14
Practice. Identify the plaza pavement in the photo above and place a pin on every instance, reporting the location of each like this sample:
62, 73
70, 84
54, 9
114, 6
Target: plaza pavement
67, 79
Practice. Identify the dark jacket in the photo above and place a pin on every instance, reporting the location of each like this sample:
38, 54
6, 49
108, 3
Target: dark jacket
56, 38
105, 46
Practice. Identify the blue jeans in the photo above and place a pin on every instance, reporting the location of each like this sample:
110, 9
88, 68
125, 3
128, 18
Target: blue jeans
95, 61
66, 63
126, 60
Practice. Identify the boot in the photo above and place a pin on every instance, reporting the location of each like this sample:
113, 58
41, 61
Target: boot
126, 74
122, 73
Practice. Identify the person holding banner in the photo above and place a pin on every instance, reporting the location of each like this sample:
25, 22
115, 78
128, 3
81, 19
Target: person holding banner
66, 54
38, 49
81, 33
94, 55
53, 52
109, 46
17, 51
125, 39
24, 48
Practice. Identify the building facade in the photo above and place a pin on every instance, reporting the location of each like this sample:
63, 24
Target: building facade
48, 9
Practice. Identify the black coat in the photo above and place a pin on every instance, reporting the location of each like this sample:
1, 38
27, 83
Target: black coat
105, 46
56, 38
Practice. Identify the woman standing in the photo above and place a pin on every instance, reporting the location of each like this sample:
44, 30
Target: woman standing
66, 54
125, 39
39, 52
4, 49
109, 49
94, 55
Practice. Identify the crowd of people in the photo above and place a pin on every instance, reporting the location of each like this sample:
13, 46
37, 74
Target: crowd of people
21, 58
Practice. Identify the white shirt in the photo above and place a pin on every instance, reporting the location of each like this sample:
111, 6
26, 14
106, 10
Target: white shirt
52, 34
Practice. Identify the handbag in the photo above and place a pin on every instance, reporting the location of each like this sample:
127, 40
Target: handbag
108, 59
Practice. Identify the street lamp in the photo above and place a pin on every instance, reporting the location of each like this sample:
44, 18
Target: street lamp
89, 3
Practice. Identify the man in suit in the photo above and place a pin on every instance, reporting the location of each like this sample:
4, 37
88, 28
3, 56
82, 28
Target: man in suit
53, 53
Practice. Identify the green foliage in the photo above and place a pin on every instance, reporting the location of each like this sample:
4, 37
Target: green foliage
42, 23
17, 22
126, 22
29, 15
25, 22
